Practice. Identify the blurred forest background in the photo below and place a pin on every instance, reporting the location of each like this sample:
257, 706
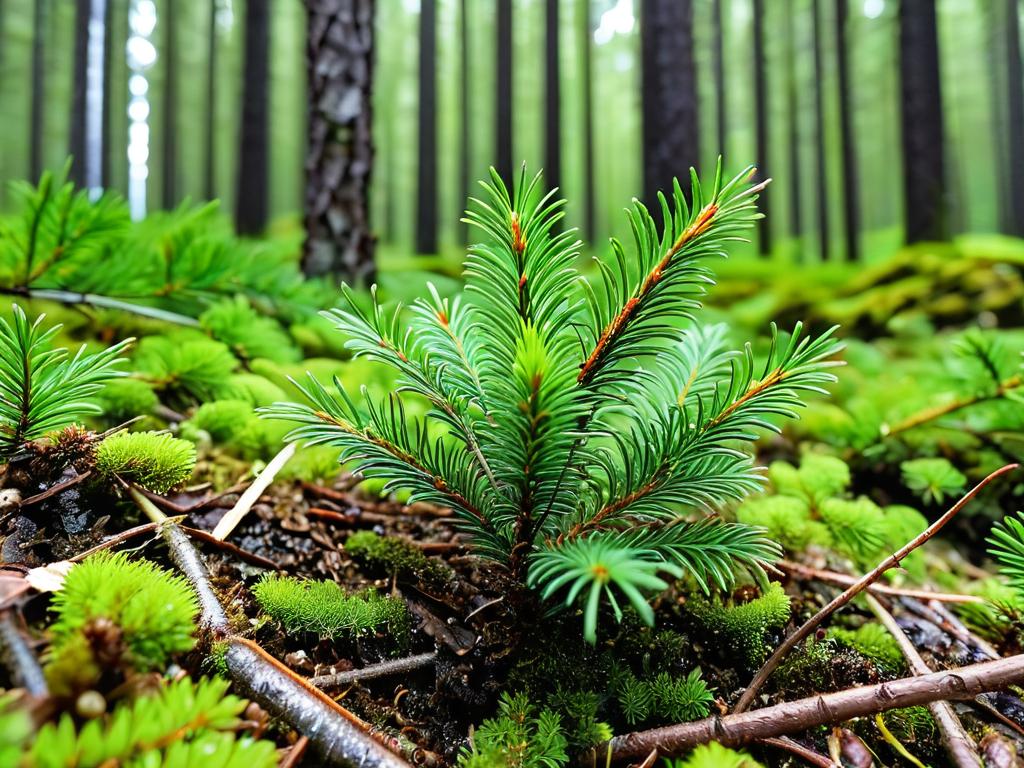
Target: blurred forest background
881, 121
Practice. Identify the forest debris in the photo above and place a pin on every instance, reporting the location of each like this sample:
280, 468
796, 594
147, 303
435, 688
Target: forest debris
998, 751
738, 729
806, 754
19, 658
962, 751
458, 639
385, 668
845, 580
50, 577
852, 591
252, 494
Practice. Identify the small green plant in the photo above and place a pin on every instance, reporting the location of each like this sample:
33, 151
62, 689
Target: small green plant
324, 608
185, 367
112, 610
15, 730
714, 755
586, 426
873, 641
121, 400
397, 557
745, 628
934, 480
519, 736
1006, 546
663, 698
151, 460
187, 724
42, 388
248, 333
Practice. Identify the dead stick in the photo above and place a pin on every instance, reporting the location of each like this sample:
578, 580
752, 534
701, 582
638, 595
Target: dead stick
385, 668
794, 716
786, 744
855, 589
295, 754
55, 489
845, 580
20, 661
962, 751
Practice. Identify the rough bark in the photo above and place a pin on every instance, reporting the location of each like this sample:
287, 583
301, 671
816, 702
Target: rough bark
924, 177
587, 52
339, 159
847, 136
552, 98
426, 175
669, 97
718, 67
79, 86
169, 117
1015, 119
821, 196
761, 132
209, 137
37, 112
503, 93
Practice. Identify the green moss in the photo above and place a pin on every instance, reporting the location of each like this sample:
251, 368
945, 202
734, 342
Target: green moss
396, 557
154, 461
248, 333
186, 367
315, 463
933, 479
818, 478
124, 399
222, 418
255, 390
873, 641
786, 519
108, 602
325, 609
745, 628
858, 527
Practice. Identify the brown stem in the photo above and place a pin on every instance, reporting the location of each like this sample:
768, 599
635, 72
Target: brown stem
845, 580
962, 751
385, 668
55, 489
19, 658
855, 589
786, 744
794, 716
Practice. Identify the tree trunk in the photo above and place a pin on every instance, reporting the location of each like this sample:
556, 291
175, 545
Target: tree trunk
426, 176
761, 123
209, 138
718, 66
79, 87
464, 134
106, 134
37, 118
503, 91
793, 107
819, 136
1015, 119
847, 137
169, 119
552, 98
251, 198
339, 57
586, 53
924, 181
669, 97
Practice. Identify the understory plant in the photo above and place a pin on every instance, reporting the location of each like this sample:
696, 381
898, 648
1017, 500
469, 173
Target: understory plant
579, 428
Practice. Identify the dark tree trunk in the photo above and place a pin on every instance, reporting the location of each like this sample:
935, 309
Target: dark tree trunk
251, 198
209, 119
38, 87
761, 123
106, 180
426, 176
589, 224
796, 229
924, 182
503, 91
821, 185
169, 121
1015, 120
669, 97
847, 137
552, 98
996, 61
79, 86
339, 159
718, 66
464, 136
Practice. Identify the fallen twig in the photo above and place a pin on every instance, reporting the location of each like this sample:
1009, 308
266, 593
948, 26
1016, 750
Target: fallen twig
845, 580
19, 658
253, 492
58, 488
385, 668
806, 754
794, 716
962, 751
855, 589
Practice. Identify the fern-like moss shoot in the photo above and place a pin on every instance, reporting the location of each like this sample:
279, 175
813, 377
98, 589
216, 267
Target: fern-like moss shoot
520, 736
873, 641
154, 461
108, 602
745, 627
396, 556
248, 333
325, 609
124, 399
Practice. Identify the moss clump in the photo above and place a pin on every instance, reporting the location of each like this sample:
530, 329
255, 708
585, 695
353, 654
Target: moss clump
154, 461
397, 557
115, 611
312, 463
874, 642
248, 333
124, 399
186, 367
714, 755
521, 735
746, 627
664, 698
222, 418
233, 424
786, 520
325, 609
255, 390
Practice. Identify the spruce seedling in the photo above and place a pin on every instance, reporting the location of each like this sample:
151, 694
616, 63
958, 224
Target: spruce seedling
587, 424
